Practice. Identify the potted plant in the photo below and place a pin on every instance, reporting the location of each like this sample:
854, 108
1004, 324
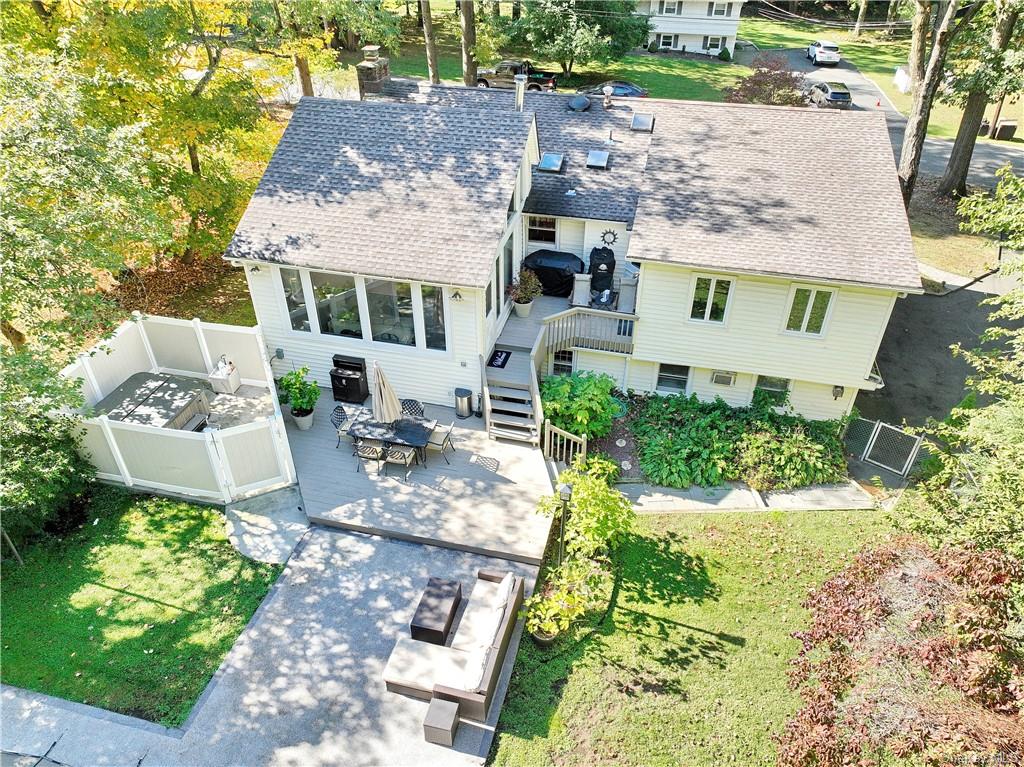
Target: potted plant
523, 291
302, 395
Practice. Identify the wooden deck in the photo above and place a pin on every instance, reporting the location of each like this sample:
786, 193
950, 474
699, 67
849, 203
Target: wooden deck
483, 502
521, 332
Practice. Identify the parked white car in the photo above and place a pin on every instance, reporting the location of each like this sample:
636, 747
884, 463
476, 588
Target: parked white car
823, 52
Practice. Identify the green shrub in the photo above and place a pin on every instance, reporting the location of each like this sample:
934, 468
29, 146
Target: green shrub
580, 403
724, 55
566, 596
768, 460
652, 47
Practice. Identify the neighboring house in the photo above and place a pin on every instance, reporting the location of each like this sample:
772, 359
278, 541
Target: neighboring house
697, 27
390, 229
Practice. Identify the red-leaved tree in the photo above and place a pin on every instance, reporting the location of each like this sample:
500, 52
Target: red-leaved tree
771, 82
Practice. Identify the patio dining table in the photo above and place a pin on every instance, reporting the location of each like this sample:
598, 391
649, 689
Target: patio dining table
410, 431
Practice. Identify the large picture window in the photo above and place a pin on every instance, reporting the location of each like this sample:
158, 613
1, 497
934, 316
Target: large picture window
541, 229
337, 304
389, 305
433, 316
710, 299
808, 311
291, 283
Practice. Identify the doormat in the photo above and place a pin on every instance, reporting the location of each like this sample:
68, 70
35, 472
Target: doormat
499, 358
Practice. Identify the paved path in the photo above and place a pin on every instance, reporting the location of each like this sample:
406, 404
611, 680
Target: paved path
267, 528
302, 685
736, 496
987, 158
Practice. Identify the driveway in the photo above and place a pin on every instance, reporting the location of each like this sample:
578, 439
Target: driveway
987, 158
301, 687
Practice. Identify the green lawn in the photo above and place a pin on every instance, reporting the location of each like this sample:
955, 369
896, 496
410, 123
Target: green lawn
938, 240
224, 299
133, 613
690, 666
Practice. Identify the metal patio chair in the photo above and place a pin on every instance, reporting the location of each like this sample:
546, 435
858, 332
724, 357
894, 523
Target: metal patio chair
369, 450
441, 438
401, 455
341, 421
412, 407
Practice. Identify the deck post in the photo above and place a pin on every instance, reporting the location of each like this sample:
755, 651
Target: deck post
108, 433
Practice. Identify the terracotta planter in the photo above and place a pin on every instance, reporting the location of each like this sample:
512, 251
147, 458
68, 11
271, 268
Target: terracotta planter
543, 640
522, 310
303, 422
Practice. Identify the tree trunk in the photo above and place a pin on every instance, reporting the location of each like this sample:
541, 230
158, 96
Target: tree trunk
351, 41
468, 23
917, 120
919, 42
862, 14
516, 10
419, 15
430, 41
193, 159
302, 67
954, 180
995, 114
496, 9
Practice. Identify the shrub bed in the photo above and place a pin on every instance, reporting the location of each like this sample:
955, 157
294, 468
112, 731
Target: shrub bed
581, 403
682, 441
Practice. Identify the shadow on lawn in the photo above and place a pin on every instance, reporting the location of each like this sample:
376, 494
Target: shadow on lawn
634, 648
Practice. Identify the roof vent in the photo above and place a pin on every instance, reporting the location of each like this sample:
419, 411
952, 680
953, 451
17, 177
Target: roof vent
643, 122
597, 159
550, 162
579, 103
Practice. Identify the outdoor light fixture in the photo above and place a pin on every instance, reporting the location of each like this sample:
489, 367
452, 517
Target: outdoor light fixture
838, 392
456, 296
253, 269
565, 495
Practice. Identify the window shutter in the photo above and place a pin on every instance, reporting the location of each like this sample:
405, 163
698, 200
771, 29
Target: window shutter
706, 41
711, 12
728, 9
661, 7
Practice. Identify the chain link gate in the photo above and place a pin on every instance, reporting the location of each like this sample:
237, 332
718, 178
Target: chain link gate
883, 445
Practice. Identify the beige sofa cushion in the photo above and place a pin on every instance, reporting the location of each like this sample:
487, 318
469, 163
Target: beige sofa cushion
422, 665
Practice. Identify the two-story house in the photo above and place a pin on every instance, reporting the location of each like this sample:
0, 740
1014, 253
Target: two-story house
692, 25
754, 247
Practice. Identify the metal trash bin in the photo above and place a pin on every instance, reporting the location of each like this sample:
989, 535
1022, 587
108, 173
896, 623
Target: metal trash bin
463, 403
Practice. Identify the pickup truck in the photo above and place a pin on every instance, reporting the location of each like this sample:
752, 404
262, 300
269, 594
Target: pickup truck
502, 76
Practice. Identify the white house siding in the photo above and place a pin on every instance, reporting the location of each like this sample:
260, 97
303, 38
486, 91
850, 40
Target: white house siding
737, 395
816, 401
580, 236
570, 237
599, 362
430, 376
752, 338
692, 23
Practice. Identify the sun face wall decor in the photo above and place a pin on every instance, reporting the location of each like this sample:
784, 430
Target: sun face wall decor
609, 237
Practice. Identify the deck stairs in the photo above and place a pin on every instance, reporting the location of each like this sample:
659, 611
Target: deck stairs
512, 409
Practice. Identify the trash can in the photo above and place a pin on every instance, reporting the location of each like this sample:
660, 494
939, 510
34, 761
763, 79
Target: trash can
463, 403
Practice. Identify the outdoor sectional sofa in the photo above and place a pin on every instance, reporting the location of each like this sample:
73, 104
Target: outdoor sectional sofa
466, 670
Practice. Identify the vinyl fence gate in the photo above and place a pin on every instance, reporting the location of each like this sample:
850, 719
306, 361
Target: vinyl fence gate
883, 445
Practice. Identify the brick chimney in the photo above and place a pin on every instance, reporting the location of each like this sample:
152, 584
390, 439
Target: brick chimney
373, 72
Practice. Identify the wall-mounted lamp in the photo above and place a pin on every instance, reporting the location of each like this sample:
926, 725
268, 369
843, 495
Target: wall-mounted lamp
253, 269
838, 392
456, 296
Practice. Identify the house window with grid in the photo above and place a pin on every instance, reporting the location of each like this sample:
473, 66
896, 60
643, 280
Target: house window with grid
563, 362
710, 299
808, 311
720, 9
666, 41
541, 229
672, 379
669, 7
775, 389
712, 43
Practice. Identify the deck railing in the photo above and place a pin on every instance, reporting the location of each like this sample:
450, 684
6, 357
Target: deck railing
538, 358
562, 446
583, 328
485, 395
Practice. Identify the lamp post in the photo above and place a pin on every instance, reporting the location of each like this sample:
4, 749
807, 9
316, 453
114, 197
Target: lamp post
565, 495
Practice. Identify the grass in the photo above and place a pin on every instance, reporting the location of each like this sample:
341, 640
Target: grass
224, 299
876, 56
938, 241
690, 665
133, 612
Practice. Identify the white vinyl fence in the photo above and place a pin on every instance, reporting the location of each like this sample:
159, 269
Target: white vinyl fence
217, 465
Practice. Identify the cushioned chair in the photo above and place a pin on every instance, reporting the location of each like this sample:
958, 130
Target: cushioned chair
400, 455
412, 407
441, 438
369, 450
341, 421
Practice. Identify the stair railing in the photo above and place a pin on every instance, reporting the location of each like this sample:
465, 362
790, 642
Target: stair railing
583, 328
485, 395
538, 358
562, 446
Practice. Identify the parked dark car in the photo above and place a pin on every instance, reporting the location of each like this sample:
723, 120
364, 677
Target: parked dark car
503, 76
834, 95
620, 88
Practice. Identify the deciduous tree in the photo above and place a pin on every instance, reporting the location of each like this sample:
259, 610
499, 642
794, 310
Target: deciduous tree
429, 41
772, 82
467, 19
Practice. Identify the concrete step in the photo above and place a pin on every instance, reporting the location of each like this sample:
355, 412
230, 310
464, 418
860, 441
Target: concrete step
516, 434
506, 392
509, 419
512, 406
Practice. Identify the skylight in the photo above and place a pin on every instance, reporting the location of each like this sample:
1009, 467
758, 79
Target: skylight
597, 159
642, 122
550, 162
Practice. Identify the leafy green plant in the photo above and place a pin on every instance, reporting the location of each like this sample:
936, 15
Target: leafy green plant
581, 403
302, 394
724, 55
570, 591
526, 287
769, 460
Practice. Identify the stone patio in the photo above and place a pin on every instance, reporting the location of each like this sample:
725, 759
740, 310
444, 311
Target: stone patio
484, 501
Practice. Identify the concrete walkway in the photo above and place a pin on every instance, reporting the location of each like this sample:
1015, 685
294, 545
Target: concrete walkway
267, 528
736, 496
302, 685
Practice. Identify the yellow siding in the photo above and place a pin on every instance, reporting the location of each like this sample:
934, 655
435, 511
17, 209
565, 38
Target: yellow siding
815, 401
751, 339
737, 395
612, 364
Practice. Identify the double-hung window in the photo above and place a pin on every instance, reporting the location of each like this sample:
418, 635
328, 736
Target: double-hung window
713, 43
563, 362
669, 7
808, 310
541, 229
775, 389
666, 41
672, 379
710, 299
720, 9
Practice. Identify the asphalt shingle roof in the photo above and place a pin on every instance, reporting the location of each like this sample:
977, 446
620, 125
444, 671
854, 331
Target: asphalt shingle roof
387, 189
776, 190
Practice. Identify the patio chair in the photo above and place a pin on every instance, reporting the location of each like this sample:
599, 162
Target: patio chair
369, 450
401, 455
412, 407
441, 438
341, 421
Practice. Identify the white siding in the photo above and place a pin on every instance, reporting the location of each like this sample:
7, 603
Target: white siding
580, 236
642, 375
570, 237
692, 22
752, 338
737, 395
816, 401
599, 362
429, 376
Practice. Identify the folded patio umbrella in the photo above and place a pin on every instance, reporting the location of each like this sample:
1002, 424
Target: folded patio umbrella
386, 407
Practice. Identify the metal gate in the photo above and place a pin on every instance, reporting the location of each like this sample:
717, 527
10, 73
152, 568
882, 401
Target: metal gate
883, 445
